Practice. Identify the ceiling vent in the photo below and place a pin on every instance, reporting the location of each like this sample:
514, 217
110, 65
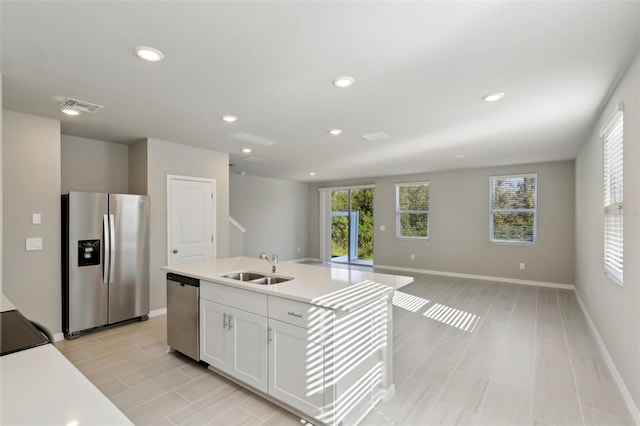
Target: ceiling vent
252, 159
376, 136
80, 106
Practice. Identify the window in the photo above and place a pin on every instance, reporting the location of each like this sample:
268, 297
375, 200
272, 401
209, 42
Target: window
613, 199
412, 210
513, 209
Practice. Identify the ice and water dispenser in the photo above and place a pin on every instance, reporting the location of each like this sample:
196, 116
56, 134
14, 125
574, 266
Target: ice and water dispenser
88, 252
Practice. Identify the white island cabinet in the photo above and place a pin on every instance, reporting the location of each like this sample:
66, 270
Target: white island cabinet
319, 344
234, 333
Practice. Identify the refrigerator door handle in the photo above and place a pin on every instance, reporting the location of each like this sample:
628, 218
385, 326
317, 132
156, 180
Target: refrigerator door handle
112, 249
107, 250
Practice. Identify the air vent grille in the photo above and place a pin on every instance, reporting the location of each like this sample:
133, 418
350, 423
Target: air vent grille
80, 106
376, 136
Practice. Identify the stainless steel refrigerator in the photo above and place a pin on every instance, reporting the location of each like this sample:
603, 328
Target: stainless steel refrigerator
105, 260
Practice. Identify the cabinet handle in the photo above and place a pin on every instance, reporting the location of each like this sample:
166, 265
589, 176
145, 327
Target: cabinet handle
293, 314
230, 321
269, 339
224, 320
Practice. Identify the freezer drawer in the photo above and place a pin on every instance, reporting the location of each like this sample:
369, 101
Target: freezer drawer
183, 294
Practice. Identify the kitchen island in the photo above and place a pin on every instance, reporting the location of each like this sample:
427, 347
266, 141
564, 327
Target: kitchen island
319, 343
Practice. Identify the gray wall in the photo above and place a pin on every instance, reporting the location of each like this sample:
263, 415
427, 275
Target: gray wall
614, 310
165, 158
138, 167
274, 213
31, 184
94, 166
1, 173
459, 225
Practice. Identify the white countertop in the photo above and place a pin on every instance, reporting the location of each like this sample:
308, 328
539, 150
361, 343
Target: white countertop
39, 386
335, 288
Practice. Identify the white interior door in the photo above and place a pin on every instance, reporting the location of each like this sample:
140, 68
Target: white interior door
191, 218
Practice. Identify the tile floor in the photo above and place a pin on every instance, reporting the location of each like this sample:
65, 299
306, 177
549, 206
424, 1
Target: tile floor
466, 352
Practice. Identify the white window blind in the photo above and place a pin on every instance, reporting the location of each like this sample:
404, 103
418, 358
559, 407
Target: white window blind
412, 210
614, 199
513, 208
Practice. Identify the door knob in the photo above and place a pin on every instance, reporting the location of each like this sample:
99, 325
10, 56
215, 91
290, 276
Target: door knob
175, 251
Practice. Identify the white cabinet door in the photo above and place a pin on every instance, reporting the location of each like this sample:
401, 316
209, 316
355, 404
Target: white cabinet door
213, 334
296, 368
235, 342
248, 355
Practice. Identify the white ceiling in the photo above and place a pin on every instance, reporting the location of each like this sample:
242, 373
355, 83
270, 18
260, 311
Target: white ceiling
421, 69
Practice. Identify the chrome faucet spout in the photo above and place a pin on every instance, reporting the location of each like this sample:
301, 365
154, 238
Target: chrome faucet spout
273, 261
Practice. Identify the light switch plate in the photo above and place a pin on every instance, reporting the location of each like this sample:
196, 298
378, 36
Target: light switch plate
34, 244
36, 219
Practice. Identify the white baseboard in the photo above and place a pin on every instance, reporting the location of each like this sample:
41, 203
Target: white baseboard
478, 277
303, 259
631, 405
158, 312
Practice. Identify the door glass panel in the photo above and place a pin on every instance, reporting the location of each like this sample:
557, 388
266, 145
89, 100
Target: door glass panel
352, 226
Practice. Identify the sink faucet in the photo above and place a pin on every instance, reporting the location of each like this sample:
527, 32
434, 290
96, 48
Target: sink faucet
273, 261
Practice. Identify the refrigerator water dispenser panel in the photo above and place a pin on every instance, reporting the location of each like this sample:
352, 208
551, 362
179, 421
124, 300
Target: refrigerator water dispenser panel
88, 252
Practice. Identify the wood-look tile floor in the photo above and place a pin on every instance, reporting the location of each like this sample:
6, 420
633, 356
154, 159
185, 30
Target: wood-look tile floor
466, 352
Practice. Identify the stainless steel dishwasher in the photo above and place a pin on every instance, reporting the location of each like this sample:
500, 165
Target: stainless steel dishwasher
183, 298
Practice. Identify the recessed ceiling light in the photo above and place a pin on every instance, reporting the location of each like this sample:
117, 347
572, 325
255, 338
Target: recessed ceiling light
335, 132
243, 173
344, 81
71, 112
460, 156
247, 150
312, 174
149, 54
229, 118
493, 97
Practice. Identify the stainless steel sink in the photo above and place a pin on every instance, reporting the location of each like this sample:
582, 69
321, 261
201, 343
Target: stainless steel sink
256, 278
244, 276
270, 280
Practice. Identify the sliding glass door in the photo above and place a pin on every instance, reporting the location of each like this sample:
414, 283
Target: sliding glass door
352, 226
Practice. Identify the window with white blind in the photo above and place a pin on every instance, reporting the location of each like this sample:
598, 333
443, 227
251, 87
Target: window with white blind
412, 210
513, 209
613, 198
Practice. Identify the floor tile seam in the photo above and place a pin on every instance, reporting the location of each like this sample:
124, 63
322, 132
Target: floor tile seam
484, 396
154, 381
573, 372
115, 376
274, 412
147, 379
120, 339
533, 360
119, 392
108, 364
128, 410
456, 367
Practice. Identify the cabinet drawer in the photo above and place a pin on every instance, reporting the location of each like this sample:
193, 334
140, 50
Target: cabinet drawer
301, 314
235, 297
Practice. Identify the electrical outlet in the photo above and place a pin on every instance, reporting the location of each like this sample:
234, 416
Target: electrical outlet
413, 256
298, 249
34, 244
382, 227
521, 265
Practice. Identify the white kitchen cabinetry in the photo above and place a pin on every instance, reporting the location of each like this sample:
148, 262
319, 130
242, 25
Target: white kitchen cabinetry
296, 367
330, 365
234, 340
